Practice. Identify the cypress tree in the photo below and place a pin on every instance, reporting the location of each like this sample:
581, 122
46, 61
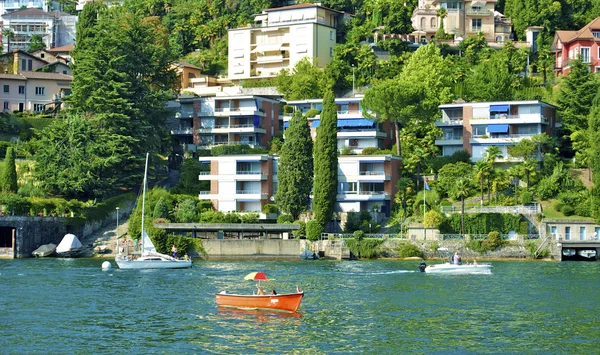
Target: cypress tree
8, 180
296, 169
326, 161
161, 210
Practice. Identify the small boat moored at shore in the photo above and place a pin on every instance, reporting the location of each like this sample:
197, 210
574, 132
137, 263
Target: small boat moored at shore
568, 252
587, 253
309, 255
44, 250
69, 247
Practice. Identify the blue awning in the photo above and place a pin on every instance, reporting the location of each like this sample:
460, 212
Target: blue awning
315, 123
356, 122
499, 108
498, 128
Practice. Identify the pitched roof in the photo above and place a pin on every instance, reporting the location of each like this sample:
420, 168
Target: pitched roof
35, 13
187, 65
67, 48
12, 77
22, 52
46, 76
583, 33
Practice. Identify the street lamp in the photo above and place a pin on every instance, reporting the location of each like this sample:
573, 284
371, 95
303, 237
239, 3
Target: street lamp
117, 232
353, 79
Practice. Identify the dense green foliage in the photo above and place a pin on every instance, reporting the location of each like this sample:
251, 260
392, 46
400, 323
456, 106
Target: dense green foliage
295, 169
188, 178
481, 223
366, 248
313, 230
491, 243
8, 175
408, 250
326, 162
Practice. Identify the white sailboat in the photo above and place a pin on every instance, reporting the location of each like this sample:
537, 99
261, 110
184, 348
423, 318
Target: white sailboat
150, 258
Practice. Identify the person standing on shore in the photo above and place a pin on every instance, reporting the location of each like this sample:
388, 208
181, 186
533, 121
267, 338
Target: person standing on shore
174, 251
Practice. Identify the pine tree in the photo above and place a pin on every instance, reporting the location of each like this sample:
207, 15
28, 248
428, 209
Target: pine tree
594, 155
8, 180
577, 91
161, 210
326, 161
296, 169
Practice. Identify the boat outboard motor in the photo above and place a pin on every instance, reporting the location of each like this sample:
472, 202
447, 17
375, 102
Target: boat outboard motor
422, 267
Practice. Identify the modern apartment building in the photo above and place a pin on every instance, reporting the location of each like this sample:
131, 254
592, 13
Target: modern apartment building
208, 121
240, 182
354, 130
8, 6
56, 28
248, 182
280, 38
33, 91
584, 44
476, 126
464, 18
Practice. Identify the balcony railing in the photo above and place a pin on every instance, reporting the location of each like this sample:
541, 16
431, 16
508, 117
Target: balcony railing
475, 11
368, 193
248, 192
227, 109
248, 172
204, 193
367, 172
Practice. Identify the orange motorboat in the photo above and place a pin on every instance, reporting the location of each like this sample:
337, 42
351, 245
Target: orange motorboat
289, 302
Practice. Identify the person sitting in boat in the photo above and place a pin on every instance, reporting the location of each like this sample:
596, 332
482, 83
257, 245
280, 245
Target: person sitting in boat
260, 291
457, 259
273, 292
174, 251
474, 262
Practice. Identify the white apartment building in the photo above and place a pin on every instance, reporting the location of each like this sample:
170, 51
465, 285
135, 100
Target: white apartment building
353, 129
8, 6
56, 28
280, 38
476, 126
248, 182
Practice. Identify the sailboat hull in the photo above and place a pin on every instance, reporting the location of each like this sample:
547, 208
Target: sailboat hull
152, 263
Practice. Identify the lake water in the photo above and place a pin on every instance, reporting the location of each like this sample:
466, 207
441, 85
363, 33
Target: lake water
71, 306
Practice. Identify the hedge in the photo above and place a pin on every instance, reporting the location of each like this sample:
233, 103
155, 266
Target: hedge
481, 223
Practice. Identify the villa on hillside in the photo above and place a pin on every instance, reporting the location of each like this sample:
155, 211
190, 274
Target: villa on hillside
476, 126
280, 38
584, 44
33, 91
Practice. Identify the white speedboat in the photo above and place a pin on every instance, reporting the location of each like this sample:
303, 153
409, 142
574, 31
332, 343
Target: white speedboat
568, 252
69, 247
452, 268
150, 258
44, 250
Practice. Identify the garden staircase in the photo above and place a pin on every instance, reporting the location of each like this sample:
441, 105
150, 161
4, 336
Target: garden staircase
541, 247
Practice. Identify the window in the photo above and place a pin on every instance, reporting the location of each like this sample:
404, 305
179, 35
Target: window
596, 34
585, 54
30, 65
38, 107
331, 51
65, 72
6, 88
479, 131
596, 233
39, 90
23, 64
21, 107
476, 25
568, 233
553, 230
331, 35
6, 105
581, 233
21, 89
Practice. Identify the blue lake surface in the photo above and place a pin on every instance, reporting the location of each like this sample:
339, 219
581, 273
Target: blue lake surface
71, 306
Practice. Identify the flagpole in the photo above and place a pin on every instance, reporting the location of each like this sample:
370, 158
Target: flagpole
424, 192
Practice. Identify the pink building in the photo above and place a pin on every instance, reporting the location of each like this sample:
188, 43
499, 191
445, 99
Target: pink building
584, 44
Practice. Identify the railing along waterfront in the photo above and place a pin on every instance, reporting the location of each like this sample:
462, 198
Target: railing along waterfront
485, 236
527, 210
350, 235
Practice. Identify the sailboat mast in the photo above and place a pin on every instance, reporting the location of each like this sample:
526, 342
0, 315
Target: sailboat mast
144, 199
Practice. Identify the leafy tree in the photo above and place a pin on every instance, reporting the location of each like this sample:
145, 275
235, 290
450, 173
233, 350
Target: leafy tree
490, 80
161, 209
305, 82
527, 151
80, 158
394, 101
9, 34
296, 170
188, 178
492, 153
186, 211
449, 174
576, 92
462, 190
36, 42
482, 171
326, 162
8, 178
474, 49
594, 155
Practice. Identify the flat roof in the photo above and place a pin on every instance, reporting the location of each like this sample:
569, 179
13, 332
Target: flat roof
228, 227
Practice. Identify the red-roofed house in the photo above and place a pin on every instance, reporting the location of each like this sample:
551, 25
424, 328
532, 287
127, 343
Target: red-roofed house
570, 45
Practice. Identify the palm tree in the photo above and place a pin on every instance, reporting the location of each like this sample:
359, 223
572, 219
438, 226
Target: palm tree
482, 170
461, 190
491, 154
8, 33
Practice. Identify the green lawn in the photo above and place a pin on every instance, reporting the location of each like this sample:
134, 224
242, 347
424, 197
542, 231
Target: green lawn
551, 213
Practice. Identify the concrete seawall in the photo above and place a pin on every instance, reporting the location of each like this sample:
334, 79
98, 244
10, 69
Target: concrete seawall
235, 248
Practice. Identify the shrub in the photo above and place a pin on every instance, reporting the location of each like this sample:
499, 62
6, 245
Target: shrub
230, 149
359, 235
370, 151
284, 219
288, 109
526, 198
409, 250
493, 241
366, 248
311, 113
313, 230
270, 208
523, 228
558, 205
347, 150
299, 233
567, 210
250, 218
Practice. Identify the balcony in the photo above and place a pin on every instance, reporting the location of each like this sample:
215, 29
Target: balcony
506, 138
478, 12
372, 176
209, 145
270, 59
511, 119
446, 121
227, 112
182, 132
234, 128
184, 114
363, 196
449, 140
